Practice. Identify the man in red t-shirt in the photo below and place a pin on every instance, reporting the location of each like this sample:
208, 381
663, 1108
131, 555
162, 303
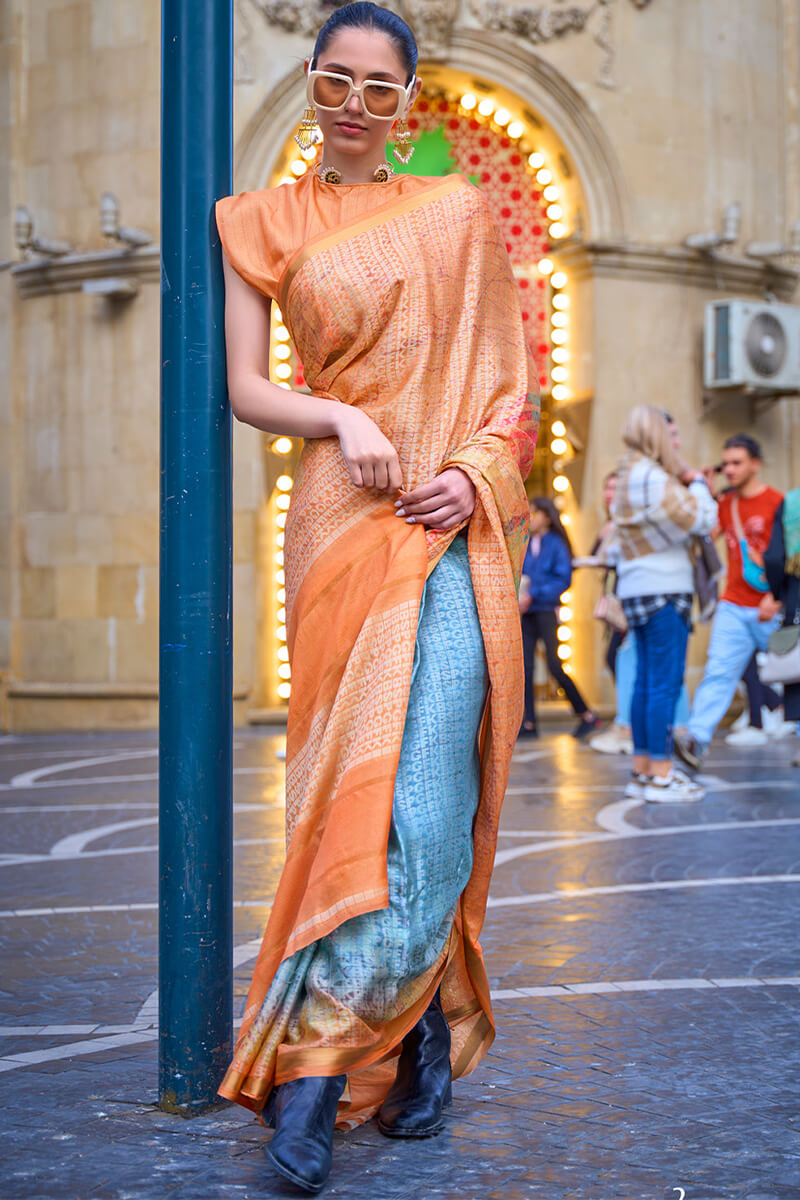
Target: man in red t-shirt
748, 612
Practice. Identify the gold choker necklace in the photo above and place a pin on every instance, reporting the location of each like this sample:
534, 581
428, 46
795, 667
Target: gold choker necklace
381, 173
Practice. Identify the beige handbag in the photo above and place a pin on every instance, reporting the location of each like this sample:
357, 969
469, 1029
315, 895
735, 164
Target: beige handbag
609, 610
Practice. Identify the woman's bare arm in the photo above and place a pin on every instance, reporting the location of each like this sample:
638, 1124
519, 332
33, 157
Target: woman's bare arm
369, 456
254, 399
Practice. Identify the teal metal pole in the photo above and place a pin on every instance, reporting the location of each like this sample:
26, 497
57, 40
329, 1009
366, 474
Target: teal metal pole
195, 689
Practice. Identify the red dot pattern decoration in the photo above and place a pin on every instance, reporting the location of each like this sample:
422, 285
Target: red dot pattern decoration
498, 166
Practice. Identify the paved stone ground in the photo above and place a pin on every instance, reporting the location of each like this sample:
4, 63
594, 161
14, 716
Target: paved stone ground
644, 962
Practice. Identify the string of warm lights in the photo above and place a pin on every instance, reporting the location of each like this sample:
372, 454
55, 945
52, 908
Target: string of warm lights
559, 322
281, 371
282, 499
559, 446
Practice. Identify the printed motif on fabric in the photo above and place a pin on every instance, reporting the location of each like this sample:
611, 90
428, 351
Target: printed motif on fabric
365, 713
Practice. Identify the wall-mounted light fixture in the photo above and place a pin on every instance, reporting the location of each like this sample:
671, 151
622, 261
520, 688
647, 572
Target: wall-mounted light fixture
26, 239
111, 228
766, 250
707, 242
112, 287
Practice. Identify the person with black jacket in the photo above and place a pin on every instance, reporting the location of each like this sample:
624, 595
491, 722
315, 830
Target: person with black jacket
547, 572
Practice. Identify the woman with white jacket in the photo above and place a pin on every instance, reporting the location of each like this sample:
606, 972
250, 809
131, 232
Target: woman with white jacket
660, 504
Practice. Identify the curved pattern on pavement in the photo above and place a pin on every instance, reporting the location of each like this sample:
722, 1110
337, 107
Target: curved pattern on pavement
610, 826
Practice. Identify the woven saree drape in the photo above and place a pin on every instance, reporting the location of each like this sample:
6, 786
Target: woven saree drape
400, 299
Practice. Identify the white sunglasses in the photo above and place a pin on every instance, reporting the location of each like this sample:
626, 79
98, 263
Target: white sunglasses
330, 91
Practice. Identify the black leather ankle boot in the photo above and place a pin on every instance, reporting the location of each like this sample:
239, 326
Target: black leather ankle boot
304, 1113
423, 1087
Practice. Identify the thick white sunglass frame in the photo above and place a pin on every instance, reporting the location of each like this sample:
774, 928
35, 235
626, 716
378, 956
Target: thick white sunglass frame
403, 93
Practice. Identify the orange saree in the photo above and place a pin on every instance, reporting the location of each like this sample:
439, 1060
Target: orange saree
399, 298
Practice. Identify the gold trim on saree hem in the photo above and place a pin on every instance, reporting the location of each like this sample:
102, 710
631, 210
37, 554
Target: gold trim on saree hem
358, 899
473, 1045
454, 1015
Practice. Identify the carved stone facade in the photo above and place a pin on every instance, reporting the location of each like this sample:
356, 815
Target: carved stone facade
433, 21
534, 25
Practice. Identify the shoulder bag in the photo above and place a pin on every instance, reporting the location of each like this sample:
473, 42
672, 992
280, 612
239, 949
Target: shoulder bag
707, 571
782, 663
753, 573
609, 610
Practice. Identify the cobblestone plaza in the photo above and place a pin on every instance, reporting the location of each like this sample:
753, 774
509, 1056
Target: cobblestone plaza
643, 960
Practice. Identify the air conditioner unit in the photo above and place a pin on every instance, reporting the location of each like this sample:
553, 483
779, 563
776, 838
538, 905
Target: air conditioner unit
753, 346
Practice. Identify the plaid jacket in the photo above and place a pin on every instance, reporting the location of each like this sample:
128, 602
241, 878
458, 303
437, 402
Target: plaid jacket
652, 511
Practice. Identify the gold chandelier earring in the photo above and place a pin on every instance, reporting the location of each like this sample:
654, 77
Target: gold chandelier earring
403, 145
309, 132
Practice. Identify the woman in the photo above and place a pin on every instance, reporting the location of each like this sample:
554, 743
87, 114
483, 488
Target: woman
548, 569
407, 530
782, 564
659, 505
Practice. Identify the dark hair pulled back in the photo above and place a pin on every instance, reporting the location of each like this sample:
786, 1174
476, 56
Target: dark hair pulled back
364, 15
545, 505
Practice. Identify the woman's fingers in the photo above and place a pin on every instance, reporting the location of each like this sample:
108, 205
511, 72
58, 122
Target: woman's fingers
395, 475
440, 518
422, 507
355, 473
421, 496
370, 457
381, 476
413, 505
443, 502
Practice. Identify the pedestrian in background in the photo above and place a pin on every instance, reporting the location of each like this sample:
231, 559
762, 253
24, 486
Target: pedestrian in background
621, 648
762, 719
659, 505
548, 570
747, 612
782, 565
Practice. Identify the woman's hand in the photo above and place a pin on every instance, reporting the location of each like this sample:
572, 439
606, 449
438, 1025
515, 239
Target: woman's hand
369, 456
443, 503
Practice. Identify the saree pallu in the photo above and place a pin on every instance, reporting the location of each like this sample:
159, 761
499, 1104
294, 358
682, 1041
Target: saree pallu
399, 299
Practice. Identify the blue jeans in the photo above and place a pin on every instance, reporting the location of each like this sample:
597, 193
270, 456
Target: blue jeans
735, 634
625, 679
660, 661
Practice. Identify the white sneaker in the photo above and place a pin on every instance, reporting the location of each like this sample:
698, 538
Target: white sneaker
615, 740
742, 721
775, 726
636, 785
749, 736
676, 788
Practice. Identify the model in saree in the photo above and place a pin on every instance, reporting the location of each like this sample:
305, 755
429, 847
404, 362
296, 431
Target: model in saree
402, 553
